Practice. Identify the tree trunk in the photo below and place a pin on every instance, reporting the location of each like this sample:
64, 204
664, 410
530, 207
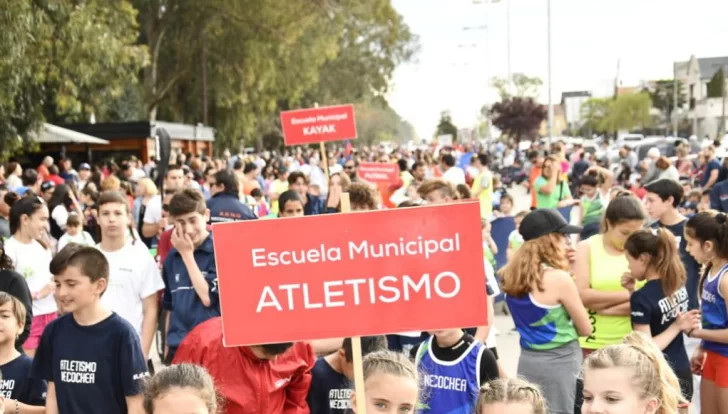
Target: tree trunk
204, 76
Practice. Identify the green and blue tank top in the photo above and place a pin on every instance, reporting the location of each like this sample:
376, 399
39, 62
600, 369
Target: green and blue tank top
542, 327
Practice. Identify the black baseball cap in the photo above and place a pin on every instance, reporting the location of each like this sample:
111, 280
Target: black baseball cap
47, 185
543, 221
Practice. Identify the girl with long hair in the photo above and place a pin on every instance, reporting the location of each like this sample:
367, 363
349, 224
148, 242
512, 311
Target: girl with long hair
707, 241
13, 283
544, 303
660, 308
392, 384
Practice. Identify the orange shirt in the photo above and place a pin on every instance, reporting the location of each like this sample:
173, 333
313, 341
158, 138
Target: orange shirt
535, 173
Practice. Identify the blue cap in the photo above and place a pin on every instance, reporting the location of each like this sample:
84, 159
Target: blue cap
84, 166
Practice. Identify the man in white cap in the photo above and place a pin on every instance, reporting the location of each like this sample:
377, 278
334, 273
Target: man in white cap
652, 172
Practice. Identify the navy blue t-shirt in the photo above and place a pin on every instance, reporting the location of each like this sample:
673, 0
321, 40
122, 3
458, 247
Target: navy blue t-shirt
711, 166
16, 383
94, 368
692, 268
651, 307
330, 392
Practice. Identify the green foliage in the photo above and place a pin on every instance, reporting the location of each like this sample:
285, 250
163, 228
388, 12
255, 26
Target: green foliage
716, 86
62, 61
663, 96
446, 127
626, 112
376, 121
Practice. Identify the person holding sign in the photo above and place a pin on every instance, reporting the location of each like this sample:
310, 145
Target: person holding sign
546, 308
270, 379
330, 391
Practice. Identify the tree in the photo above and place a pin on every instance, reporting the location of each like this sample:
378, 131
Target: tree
519, 118
446, 127
663, 96
716, 86
62, 61
626, 112
523, 86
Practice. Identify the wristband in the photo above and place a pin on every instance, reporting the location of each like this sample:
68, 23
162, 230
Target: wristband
690, 333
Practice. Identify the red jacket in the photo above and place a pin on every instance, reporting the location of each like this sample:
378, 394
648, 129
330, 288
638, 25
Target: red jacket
247, 384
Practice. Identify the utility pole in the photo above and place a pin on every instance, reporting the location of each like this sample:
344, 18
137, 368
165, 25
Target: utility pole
675, 85
508, 47
551, 108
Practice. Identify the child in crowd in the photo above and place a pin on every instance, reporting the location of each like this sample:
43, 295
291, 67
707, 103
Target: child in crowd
261, 207
660, 307
515, 240
454, 354
688, 209
707, 237
704, 203
490, 249
189, 272
330, 391
592, 206
510, 396
505, 208
499, 191
391, 382
630, 378
181, 389
291, 204
74, 233
693, 197
91, 357
21, 393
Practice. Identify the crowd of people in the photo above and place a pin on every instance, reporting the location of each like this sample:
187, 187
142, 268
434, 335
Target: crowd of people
98, 263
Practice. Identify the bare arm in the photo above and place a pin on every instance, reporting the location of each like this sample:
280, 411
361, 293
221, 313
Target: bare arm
662, 340
622, 309
569, 297
134, 404
150, 308
593, 299
482, 332
51, 403
550, 185
326, 346
150, 229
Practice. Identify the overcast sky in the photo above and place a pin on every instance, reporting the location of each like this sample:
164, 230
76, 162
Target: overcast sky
588, 38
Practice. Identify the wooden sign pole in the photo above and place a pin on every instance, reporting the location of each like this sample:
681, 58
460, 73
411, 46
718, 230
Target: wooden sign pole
356, 342
324, 158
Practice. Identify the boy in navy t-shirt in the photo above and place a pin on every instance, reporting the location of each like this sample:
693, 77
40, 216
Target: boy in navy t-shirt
330, 391
189, 272
19, 391
91, 357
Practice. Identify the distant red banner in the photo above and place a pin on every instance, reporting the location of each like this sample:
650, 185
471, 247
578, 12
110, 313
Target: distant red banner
308, 126
379, 172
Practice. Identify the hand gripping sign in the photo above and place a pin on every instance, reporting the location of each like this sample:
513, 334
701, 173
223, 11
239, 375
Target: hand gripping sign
358, 274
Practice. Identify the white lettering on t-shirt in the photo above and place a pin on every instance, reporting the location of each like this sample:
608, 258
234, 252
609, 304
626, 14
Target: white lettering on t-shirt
340, 399
670, 306
78, 372
6, 387
446, 383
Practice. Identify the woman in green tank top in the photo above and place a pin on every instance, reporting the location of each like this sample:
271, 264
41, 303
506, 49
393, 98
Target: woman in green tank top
599, 266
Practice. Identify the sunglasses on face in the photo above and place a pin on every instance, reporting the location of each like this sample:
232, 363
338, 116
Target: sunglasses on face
348, 167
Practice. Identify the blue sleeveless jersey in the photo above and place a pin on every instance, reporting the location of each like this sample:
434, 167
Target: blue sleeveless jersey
451, 387
714, 312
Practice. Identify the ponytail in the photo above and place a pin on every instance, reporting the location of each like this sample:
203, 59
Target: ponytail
25, 206
661, 246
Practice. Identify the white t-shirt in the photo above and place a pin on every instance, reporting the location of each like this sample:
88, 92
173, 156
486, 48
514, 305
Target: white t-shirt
133, 276
153, 212
454, 176
33, 262
81, 238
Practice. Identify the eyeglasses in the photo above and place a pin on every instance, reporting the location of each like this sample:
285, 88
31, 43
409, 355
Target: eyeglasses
348, 167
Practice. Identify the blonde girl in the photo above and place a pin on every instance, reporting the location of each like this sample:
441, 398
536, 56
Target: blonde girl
183, 388
391, 382
510, 396
545, 306
630, 378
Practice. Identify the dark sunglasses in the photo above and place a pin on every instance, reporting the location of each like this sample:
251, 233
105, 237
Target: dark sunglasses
349, 167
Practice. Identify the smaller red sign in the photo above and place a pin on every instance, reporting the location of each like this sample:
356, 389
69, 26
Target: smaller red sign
329, 123
379, 172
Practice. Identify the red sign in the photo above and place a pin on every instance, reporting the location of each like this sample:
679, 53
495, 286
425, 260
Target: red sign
379, 172
307, 126
340, 275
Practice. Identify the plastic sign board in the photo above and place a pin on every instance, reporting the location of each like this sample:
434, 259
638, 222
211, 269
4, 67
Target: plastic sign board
356, 274
379, 172
329, 123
